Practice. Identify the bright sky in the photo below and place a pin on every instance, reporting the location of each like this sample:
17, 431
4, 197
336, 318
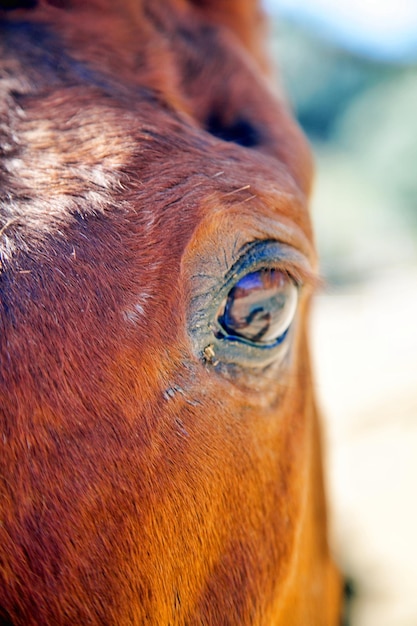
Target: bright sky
381, 28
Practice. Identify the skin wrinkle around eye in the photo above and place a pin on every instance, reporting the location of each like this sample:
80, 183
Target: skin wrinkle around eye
222, 235
209, 264
228, 224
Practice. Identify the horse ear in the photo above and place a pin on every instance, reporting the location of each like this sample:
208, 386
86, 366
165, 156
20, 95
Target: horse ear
10, 5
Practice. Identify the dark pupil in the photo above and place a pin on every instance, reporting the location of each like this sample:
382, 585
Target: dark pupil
256, 306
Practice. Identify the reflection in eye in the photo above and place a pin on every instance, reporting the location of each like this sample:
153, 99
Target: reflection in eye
260, 307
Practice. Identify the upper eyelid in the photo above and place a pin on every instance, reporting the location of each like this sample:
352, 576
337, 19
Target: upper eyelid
214, 286
292, 262
300, 274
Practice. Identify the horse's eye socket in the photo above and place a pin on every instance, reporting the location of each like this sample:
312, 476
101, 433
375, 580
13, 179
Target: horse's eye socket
260, 307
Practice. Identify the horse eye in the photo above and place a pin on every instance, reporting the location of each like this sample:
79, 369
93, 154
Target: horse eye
260, 307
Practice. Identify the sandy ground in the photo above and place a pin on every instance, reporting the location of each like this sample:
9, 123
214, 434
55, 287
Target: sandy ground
365, 351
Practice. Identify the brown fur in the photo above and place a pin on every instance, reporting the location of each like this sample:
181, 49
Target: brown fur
141, 484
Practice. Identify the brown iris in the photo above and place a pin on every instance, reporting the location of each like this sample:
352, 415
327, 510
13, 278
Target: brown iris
260, 307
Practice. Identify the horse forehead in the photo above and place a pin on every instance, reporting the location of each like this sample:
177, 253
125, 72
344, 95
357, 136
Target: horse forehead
72, 151
93, 142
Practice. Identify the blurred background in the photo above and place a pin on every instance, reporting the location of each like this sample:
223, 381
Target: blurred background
350, 71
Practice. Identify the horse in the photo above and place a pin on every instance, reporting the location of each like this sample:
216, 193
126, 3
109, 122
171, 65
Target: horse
160, 443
